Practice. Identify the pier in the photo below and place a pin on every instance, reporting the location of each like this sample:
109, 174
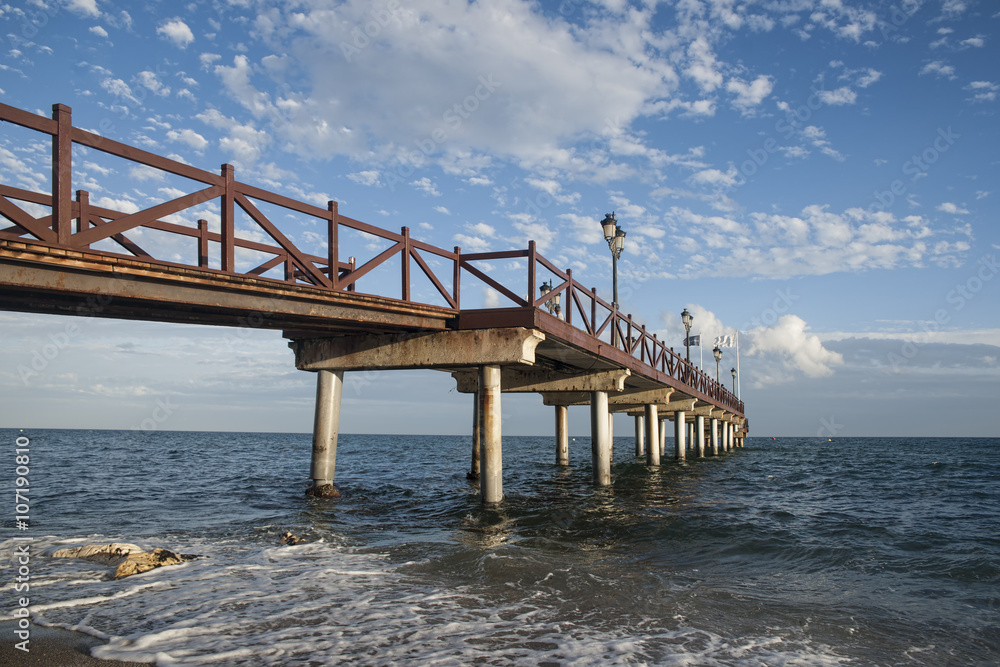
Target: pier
218, 255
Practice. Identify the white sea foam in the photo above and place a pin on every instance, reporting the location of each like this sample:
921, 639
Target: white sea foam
246, 603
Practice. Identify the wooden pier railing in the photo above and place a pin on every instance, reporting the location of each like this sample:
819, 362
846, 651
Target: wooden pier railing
71, 221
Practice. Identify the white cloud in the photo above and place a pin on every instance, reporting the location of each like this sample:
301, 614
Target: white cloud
245, 143
954, 209
443, 210
750, 95
976, 42
839, 96
87, 8
367, 177
99, 31
177, 32
716, 178
702, 67
985, 91
426, 185
788, 343
189, 137
500, 79
938, 68
149, 81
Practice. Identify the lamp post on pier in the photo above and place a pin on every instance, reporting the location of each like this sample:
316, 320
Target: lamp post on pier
687, 318
553, 305
733, 371
717, 353
615, 237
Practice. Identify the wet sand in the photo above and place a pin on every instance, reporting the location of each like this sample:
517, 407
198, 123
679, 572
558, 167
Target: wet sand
53, 648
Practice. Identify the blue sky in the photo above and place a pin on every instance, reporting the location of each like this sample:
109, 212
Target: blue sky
819, 174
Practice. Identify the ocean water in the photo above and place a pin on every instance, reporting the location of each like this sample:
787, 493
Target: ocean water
795, 551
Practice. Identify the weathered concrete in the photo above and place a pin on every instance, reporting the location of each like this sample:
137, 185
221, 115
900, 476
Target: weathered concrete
440, 349
680, 435
326, 427
684, 405
599, 438
562, 435
652, 436
713, 432
640, 432
540, 380
699, 436
491, 457
477, 423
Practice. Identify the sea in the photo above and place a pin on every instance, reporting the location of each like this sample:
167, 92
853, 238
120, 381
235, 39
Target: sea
789, 551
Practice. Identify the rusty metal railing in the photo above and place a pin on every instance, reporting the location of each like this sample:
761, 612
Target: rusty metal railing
75, 223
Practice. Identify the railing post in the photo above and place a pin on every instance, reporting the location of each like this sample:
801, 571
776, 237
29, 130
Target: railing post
532, 254
62, 174
406, 263
569, 296
593, 310
457, 278
83, 211
333, 244
229, 220
203, 244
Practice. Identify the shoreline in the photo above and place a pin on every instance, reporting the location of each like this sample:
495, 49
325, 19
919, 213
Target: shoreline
55, 647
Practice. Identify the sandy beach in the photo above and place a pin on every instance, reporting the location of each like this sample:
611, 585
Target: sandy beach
54, 648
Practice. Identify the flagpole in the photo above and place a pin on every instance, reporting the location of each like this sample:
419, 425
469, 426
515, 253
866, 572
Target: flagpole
701, 354
739, 375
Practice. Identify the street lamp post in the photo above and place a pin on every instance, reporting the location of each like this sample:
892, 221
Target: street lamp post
717, 353
615, 237
733, 371
553, 305
687, 318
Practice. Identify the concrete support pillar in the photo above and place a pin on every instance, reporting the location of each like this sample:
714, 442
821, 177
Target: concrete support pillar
611, 435
491, 456
680, 435
640, 433
725, 436
699, 436
690, 435
663, 440
652, 436
713, 433
326, 426
600, 443
562, 435
477, 422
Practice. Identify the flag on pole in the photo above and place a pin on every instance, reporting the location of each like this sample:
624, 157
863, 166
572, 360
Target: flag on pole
729, 340
693, 341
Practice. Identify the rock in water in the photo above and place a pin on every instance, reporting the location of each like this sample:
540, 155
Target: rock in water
105, 554
125, 558
324, 491
135, 563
